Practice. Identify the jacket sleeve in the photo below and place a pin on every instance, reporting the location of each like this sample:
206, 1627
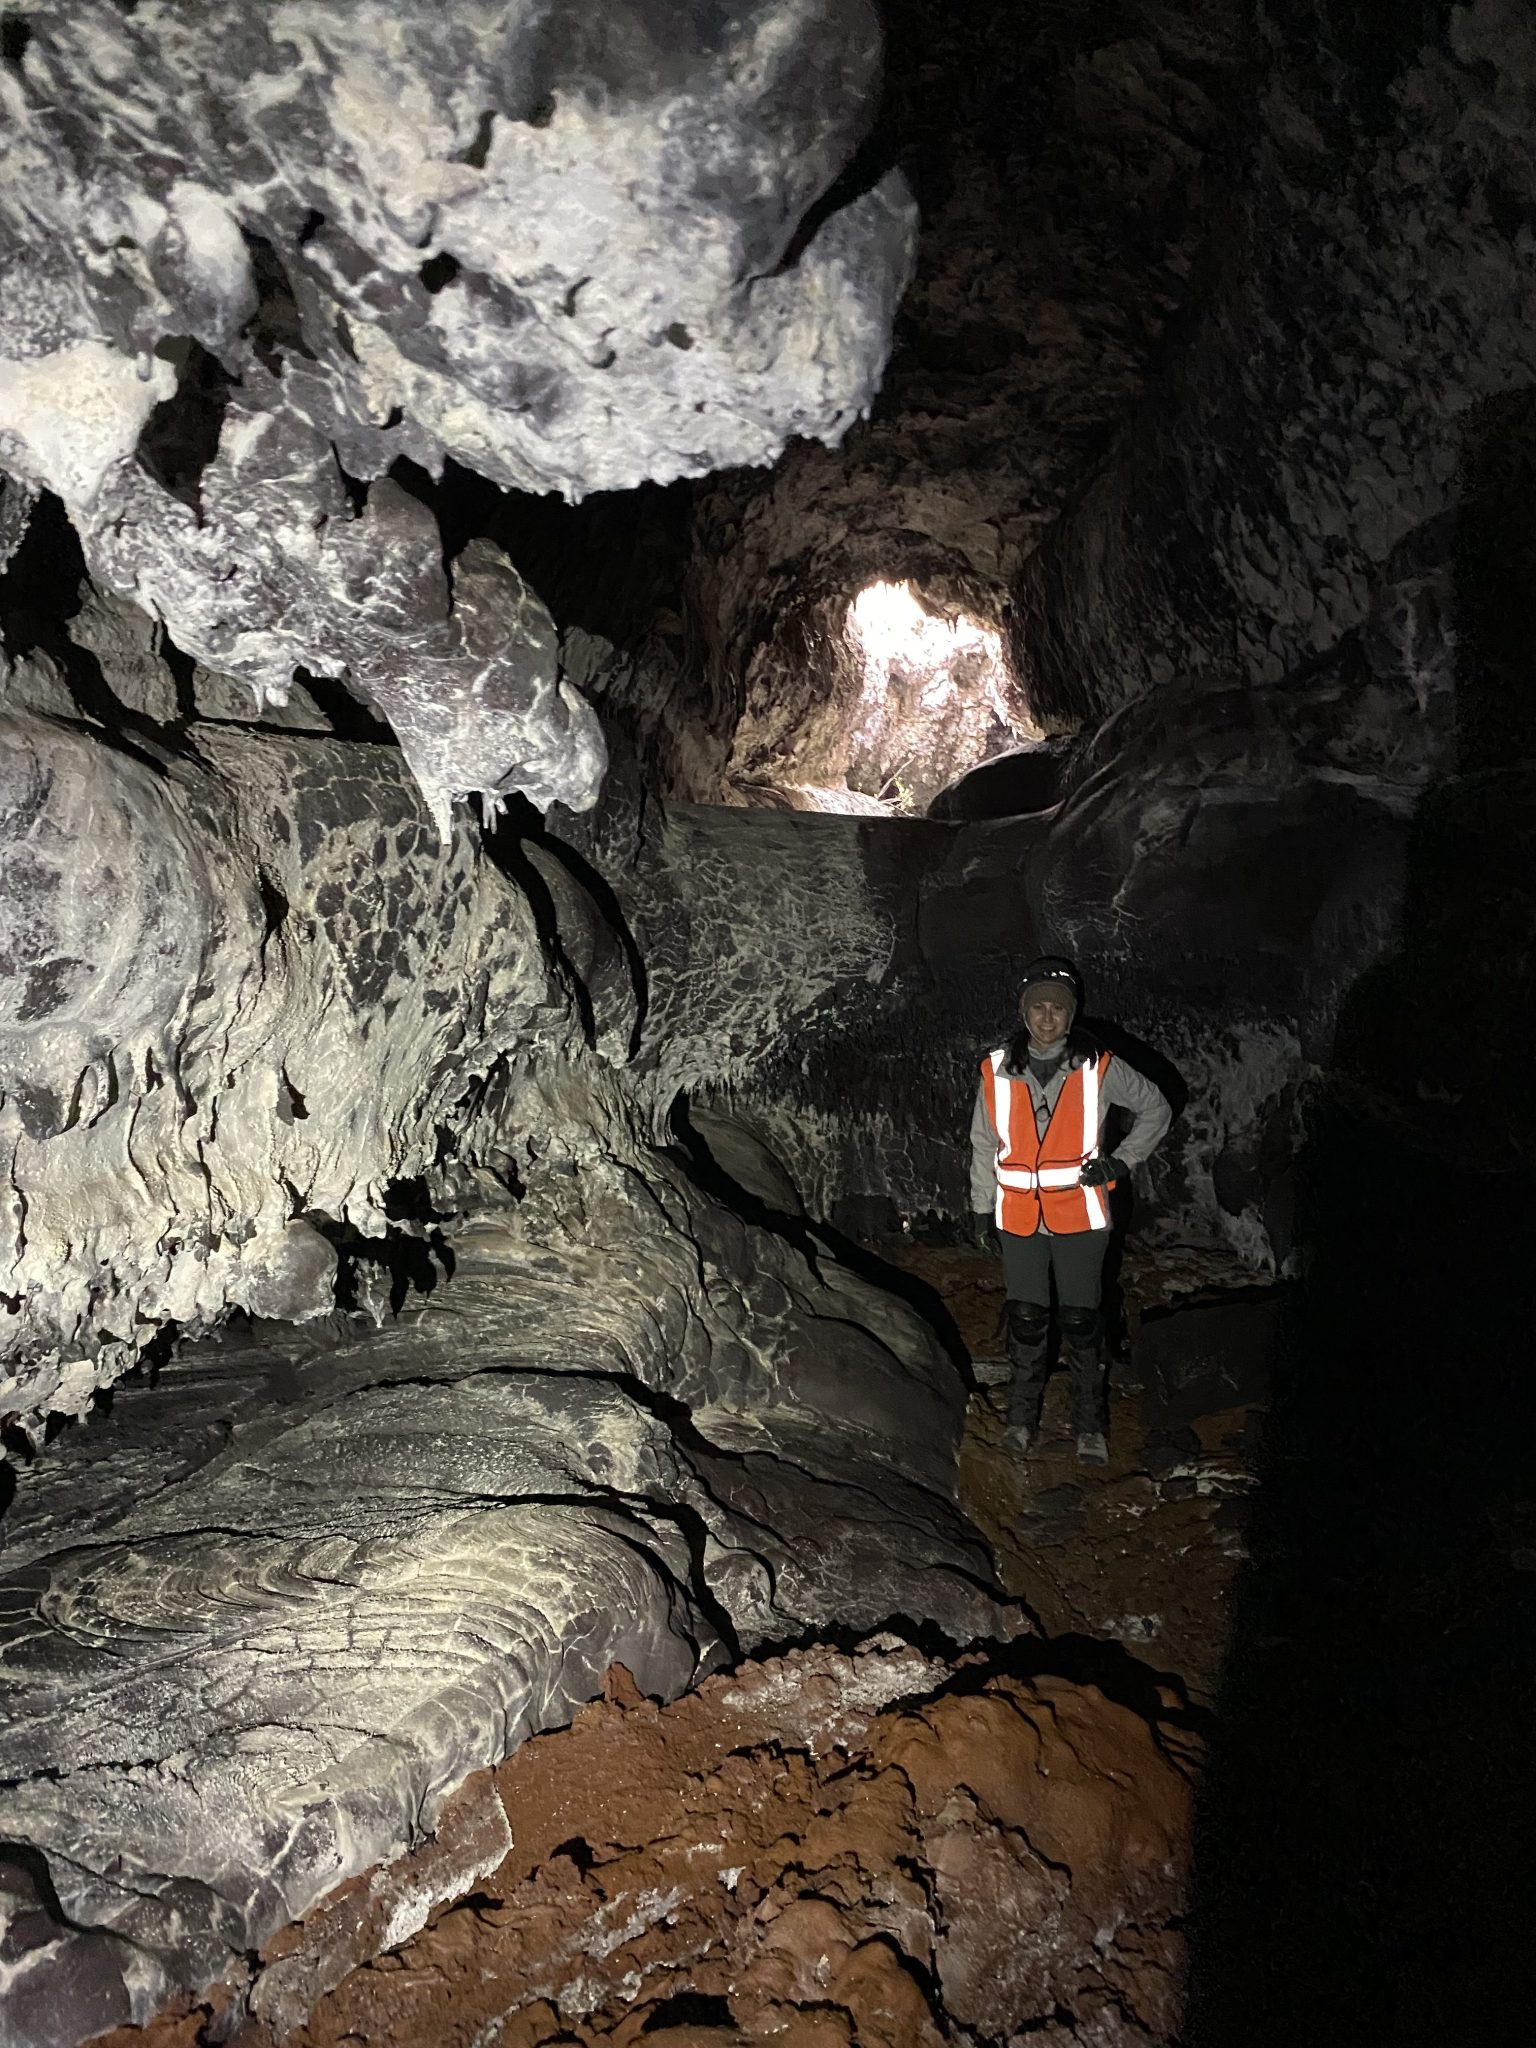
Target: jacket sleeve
983, 1156
1125, 1088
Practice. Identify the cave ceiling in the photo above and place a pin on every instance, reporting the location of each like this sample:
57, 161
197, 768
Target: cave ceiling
255, 262
482, 937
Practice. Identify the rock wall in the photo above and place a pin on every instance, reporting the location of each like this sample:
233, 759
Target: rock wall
276, 995
1227, 864
278, 1036
1065, 162
1373, 291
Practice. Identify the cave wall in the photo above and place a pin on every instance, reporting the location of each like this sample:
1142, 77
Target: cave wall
1369, 685
277, 997
1065, 166
297, 1028
1274, 617
1373, 289
511, 1398
1212, 313
255, 326
1227, 865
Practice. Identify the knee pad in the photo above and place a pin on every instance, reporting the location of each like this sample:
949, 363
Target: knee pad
1028, 1322
1083, 1326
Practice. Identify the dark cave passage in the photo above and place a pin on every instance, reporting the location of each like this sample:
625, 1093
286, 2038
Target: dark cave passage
656, 665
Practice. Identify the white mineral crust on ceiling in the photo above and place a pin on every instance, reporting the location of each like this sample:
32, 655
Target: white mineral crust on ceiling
570, 247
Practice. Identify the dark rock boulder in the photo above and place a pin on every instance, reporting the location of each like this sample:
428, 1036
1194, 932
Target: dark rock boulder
1008, 786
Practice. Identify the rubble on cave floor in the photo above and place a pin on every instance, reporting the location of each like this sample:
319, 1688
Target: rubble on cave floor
1143, 1552
275, 1607
881, 1847
823, 1849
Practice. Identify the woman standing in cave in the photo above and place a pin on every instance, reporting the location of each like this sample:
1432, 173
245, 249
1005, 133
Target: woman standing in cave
1040, 1182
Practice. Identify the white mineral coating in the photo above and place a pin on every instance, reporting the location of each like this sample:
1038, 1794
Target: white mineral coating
16, 502
365, 596
66, 418
560, 245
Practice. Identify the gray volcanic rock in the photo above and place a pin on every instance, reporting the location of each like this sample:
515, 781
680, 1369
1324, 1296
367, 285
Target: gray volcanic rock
248, 257
1227, 865
259, 1624
275, 994
749, 922
258, 1620
1375, 293
16, 502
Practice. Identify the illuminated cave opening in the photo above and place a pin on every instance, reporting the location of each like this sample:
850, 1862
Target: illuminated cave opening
937, 697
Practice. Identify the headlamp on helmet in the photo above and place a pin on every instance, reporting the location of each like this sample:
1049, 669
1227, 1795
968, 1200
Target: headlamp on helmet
1052, 975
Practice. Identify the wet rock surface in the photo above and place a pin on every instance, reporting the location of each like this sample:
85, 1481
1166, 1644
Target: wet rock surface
826, 1849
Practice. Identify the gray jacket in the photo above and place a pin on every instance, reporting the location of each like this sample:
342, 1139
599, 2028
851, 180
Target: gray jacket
1123, 1089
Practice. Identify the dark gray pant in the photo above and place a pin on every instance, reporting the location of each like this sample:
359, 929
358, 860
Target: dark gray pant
1076, 1261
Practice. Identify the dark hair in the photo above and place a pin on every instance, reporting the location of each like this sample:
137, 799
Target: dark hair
1018, 1050
1080, 1045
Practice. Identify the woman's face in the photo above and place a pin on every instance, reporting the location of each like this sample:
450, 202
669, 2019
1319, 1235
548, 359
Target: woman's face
1047, 1017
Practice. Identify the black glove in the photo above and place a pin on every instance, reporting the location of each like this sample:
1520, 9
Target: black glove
984, 1232
1108, 1166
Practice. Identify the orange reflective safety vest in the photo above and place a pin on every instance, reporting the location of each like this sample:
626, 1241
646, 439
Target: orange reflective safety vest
1037, 1178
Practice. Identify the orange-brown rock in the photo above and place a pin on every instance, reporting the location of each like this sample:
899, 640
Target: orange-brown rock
872, 1850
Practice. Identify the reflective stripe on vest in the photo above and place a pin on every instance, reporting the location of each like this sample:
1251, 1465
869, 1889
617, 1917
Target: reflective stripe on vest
1011, 1100
1098, 1215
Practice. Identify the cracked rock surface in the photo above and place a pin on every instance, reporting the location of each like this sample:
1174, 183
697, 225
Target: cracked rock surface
252, 262
262, 1621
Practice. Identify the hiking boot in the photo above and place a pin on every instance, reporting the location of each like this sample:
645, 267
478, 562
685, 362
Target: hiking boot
1017, 1438
1091, 1447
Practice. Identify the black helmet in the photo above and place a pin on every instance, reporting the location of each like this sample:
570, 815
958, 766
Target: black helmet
1054, 970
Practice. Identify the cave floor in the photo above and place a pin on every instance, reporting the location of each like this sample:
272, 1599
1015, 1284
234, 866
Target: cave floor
1143, 1552
734, 1868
